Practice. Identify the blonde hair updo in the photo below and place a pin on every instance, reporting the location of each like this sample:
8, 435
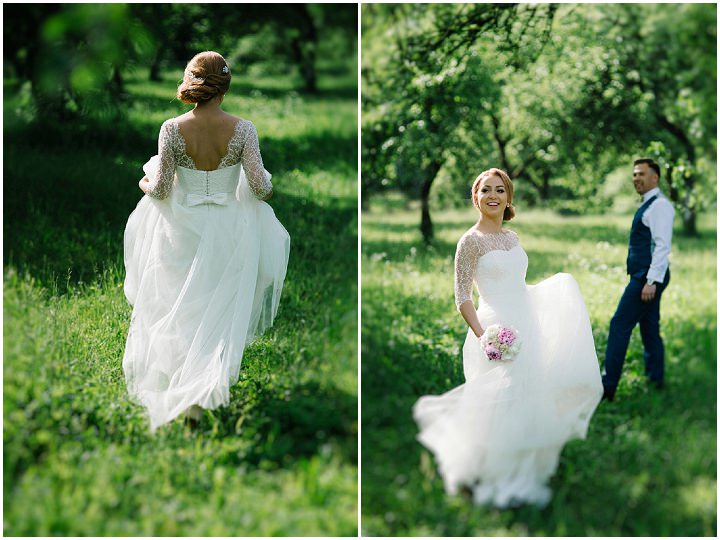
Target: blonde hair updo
206, 76
509, 212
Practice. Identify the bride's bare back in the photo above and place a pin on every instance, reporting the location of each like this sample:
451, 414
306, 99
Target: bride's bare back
207, 142
207, 137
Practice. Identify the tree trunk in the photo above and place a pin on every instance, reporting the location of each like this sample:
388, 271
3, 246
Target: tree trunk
672, 190
155, 65
501, 143
689, 218
540, 181
545, 189
118, 85
308, 69
689, 214
304, 48
426, 225
304, 55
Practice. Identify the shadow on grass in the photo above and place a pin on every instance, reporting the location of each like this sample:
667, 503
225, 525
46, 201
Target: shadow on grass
276, 429
393, 365
290, 424
65, 211
414, 228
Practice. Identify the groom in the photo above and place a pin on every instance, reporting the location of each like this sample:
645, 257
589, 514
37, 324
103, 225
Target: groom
648, 268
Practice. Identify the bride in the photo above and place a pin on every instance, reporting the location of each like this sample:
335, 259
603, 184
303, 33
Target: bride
205, 257
500, 434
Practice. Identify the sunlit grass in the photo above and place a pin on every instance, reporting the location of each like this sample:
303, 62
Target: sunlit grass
648, 464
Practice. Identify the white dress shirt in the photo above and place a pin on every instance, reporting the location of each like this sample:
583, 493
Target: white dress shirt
659, 218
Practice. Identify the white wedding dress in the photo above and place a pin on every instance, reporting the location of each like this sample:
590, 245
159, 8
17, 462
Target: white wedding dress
205, 263
500, 433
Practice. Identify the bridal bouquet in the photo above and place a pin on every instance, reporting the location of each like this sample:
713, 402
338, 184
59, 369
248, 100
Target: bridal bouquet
500, 343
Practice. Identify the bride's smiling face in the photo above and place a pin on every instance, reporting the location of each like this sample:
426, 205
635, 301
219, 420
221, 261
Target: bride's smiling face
492, 196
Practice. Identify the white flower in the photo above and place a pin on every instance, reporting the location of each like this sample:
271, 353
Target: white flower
190, 75
225, 69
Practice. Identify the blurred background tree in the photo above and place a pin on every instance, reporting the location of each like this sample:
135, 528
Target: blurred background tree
563, 97
288, 35
71, 57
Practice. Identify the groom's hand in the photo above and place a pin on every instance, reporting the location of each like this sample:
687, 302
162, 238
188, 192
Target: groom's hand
648, 293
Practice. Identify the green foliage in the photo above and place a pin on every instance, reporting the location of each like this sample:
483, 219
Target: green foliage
559, 96
647, 467
281, 458
416, 97
692, 187
72, 55
75, 57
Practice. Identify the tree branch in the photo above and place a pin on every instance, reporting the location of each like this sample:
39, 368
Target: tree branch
500, 141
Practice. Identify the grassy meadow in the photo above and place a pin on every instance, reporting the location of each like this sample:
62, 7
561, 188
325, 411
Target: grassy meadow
79, 459
648, 465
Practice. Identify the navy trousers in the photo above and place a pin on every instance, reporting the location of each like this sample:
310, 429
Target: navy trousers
630, 311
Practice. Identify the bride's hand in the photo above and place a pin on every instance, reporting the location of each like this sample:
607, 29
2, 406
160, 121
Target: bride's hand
144, 184
467, 310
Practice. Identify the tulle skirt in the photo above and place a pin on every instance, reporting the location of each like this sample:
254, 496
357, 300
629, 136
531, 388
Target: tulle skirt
500, 434
203, 281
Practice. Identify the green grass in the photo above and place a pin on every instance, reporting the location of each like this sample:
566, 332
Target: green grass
648, 466
281, 459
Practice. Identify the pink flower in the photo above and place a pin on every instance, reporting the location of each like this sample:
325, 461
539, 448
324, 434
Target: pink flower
493, 353
506, 336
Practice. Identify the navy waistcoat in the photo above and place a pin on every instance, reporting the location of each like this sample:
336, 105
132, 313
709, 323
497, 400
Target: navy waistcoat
640, 248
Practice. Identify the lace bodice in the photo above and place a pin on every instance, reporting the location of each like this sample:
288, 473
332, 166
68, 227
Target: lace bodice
243, 147
473, 245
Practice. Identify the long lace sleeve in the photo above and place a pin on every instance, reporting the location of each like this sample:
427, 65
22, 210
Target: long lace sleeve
466, 259
252, 163
161, 185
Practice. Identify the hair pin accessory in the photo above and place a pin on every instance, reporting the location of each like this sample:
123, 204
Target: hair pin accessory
190, 75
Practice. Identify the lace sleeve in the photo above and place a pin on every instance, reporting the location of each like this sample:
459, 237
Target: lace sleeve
161, 185
466, 259
253, 165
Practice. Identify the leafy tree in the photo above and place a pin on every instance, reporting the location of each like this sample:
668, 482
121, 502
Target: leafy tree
296, 30
71, 53
74, 55
556, 95
174, 29
671, 58
433, 89
300, 27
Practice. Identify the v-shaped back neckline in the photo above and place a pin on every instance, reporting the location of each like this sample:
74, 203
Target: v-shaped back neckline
181, 137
